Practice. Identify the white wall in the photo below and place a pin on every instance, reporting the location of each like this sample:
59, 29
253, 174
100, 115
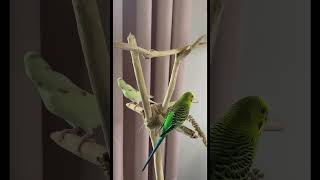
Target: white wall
193, 154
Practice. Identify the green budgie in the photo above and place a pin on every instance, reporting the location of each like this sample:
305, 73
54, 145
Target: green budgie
62, 97
175, 118
129, 92
234, 139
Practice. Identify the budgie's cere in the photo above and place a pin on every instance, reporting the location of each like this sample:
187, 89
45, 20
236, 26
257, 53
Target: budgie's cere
174, 119
233, 140
62, 97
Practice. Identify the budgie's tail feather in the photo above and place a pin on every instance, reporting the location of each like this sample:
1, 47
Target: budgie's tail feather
153, 151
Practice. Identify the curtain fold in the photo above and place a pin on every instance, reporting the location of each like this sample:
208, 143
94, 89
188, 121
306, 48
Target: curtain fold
143, 35
162, 41
226, 56
181, 28
160, 25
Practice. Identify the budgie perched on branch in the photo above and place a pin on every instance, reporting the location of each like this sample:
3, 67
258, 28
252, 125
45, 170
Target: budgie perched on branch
175, 118
129, 92
62, 97
233, 140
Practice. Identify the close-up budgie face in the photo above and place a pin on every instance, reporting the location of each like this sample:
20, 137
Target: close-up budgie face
35, 66
188, 97
253, 113
120, 82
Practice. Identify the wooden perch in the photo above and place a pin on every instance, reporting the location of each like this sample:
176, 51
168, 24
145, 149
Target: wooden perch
146, 104
140, 78
96, 56
188, 132
90, 151
152, 53
198, 129
175, 70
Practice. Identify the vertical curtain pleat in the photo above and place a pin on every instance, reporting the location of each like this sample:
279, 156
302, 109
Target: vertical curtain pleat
117, 99
143, 35
226, 57
162, 30
181, 29
130, 118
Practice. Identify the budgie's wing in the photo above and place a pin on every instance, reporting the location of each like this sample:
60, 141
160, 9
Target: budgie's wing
128, 87
80, 110
133, 95
169, 123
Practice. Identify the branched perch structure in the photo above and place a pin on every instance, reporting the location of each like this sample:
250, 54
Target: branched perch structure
90, 151
153, 115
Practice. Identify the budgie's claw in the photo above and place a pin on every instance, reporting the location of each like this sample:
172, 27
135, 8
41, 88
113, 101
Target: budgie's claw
70, 131
85, 138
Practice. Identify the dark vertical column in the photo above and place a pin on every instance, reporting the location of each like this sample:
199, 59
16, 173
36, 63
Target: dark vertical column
25, 106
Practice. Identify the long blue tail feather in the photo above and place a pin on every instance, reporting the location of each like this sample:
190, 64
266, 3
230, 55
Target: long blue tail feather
154, 150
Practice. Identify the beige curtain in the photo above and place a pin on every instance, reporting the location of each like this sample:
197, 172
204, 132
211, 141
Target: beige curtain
157, 25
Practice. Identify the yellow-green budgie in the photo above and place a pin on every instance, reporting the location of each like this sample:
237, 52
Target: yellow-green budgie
234, 139
62, 97
129, 92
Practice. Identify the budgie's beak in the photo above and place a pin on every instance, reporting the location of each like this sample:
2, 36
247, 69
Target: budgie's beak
119, 80
195, 100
